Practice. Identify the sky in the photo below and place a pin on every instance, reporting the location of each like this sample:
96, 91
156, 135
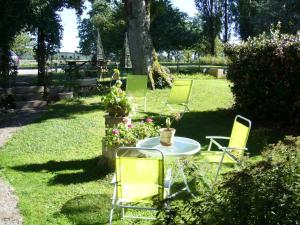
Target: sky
70, 36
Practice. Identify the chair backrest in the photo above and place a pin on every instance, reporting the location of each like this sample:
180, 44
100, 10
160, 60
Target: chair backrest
140, 174
239, 135
136, 85
180, 92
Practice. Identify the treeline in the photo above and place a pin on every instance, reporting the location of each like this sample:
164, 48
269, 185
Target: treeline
173, 31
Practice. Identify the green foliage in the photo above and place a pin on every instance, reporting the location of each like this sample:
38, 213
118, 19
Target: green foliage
23, 44
159, 76
265, 76
13, 18
254, 17
116, 102
129, 135
108, 18
210, 14
171, 29
264, 192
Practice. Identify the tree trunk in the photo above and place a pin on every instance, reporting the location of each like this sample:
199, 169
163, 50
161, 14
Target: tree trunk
41, 56
100, 52
225, 38
139, 39
4, 70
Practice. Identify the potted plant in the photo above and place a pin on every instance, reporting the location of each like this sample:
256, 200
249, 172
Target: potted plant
167, 134
126, 135
117, 105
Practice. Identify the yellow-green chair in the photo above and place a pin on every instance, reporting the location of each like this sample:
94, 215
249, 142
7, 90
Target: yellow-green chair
136, 87
139, 180
237, 141
179, 96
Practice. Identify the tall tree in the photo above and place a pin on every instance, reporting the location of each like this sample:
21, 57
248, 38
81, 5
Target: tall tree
45, 23
140, 44
211, 12
171, 29
109, 20
256, 16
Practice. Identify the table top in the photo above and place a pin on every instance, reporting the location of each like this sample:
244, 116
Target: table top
181, 147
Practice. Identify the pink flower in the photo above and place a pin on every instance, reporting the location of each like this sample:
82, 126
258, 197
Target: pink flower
129, 125
115, 131
149, 120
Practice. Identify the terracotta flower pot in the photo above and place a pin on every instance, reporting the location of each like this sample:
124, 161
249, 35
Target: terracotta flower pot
167, 136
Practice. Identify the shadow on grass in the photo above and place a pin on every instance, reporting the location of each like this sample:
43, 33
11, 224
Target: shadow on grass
197, 125
90, 169
63, 110
68, 109
89, 209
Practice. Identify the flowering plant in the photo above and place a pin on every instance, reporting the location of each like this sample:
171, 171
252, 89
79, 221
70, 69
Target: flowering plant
116, 102
129, 135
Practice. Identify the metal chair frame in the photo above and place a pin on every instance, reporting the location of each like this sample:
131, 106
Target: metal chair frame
116, 201
169, 103
227, 150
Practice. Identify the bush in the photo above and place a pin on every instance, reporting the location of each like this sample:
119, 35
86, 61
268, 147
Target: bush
266, 78
213, 60
262, 193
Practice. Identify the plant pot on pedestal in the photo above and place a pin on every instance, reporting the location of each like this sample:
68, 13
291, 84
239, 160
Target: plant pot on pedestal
167, 136
109, 153
111, 121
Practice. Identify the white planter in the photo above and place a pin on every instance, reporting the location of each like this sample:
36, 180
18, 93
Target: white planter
167, 136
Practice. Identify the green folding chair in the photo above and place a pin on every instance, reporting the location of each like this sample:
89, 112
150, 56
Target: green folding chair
179, 96
136, 87
237, 141
139, 181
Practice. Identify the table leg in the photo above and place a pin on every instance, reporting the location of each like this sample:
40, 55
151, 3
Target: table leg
181, 170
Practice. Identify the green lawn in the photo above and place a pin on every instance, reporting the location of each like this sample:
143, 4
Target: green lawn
55, 167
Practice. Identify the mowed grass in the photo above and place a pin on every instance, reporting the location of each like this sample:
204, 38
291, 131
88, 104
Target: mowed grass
55, 164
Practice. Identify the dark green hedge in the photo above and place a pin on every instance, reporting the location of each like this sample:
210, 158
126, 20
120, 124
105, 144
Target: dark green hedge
265, 72
265, 192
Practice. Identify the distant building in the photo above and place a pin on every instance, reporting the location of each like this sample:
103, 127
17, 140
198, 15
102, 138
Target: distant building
70, 56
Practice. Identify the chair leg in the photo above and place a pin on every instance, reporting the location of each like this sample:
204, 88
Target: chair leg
219, 167
210, 144
113, 201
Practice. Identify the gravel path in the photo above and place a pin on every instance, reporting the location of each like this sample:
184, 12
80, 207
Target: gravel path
9, 212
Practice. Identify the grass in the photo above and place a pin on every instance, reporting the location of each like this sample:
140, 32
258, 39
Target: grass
55, 164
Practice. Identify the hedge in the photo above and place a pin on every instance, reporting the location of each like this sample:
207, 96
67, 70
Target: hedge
265, 72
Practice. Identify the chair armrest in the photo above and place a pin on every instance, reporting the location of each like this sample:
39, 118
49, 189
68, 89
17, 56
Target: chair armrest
114, 179
231, 148
217, 137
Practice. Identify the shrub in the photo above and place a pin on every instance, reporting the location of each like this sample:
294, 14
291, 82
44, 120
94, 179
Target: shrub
213, 60
266, 78
262, 193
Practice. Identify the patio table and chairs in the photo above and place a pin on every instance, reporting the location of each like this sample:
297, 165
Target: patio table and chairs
140, 174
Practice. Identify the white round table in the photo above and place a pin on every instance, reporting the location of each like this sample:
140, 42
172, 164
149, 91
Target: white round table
182, 147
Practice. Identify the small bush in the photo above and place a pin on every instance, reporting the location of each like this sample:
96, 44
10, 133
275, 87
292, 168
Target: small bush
266, 192
266, 78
